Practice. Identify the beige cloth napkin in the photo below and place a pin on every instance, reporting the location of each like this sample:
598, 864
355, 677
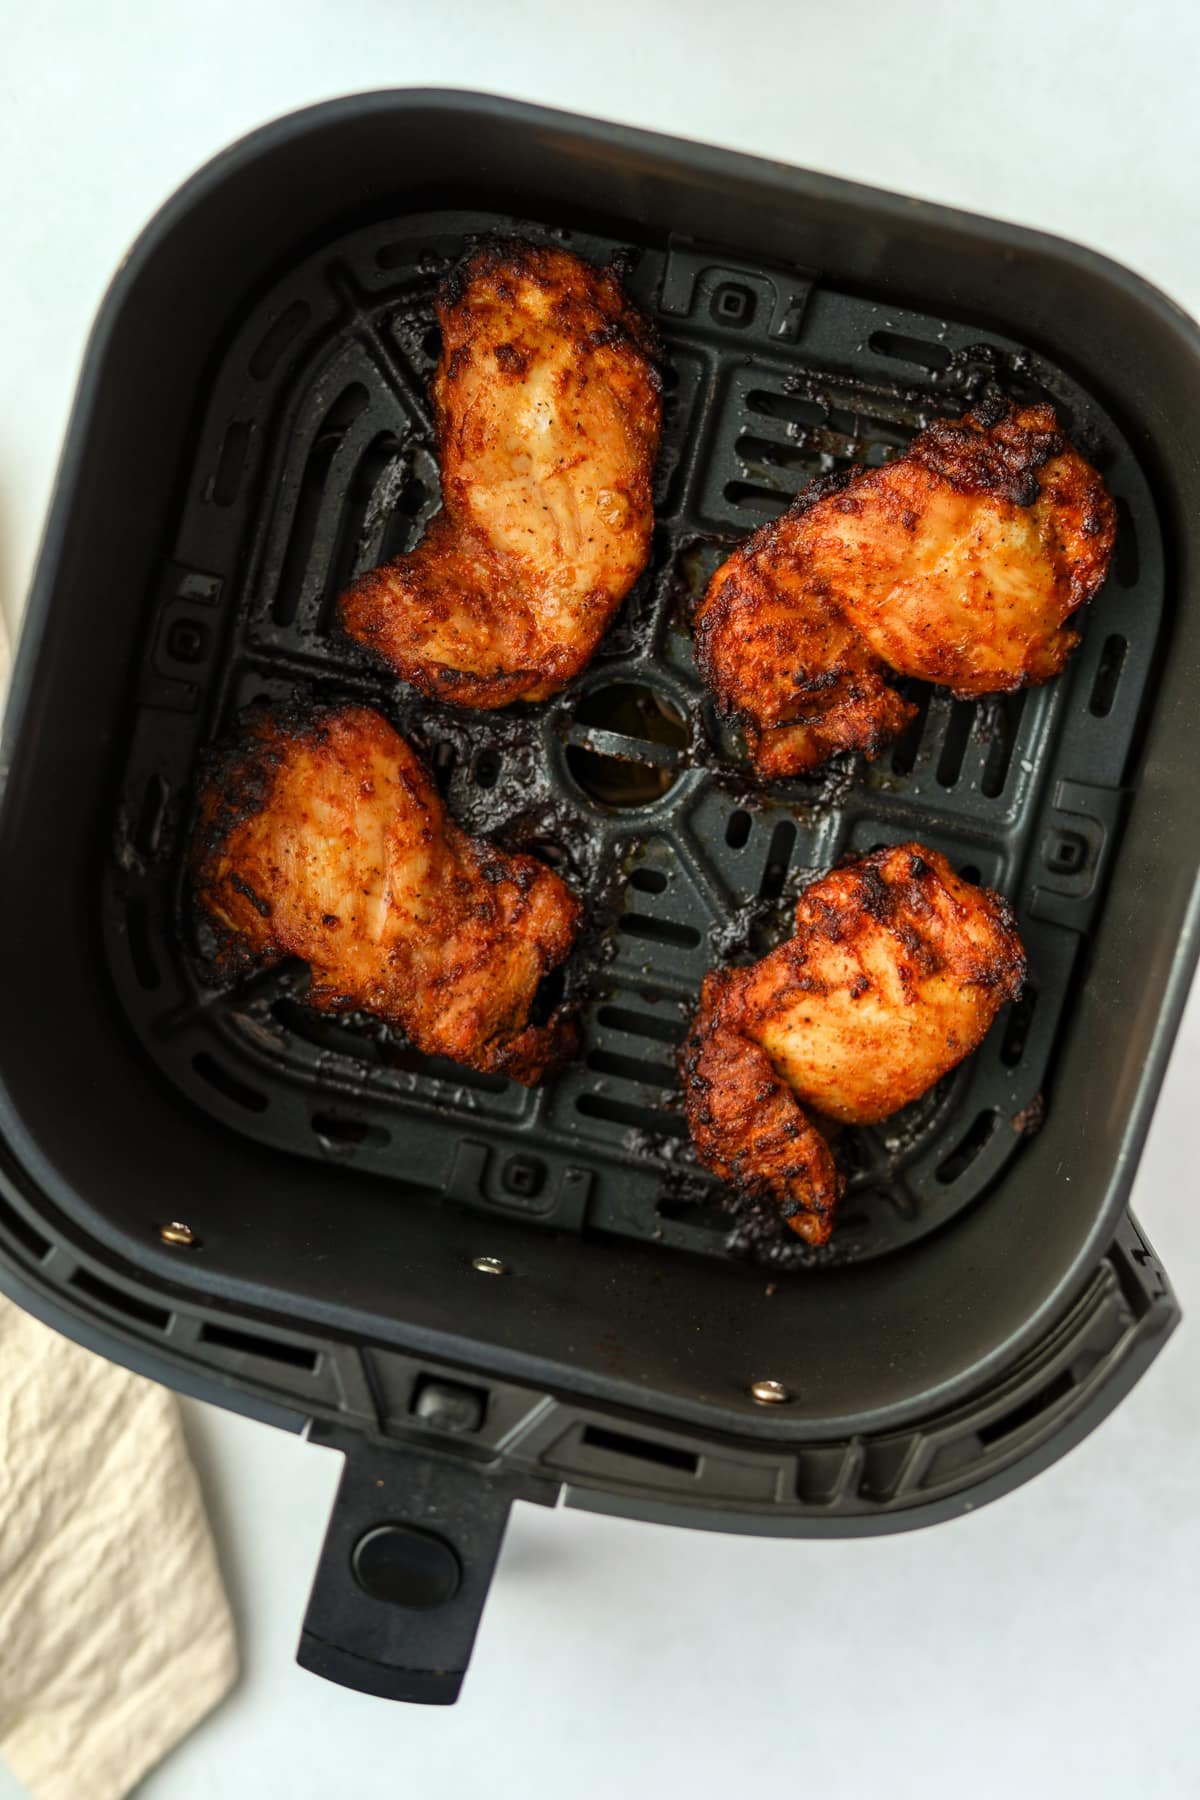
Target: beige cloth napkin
115, 1634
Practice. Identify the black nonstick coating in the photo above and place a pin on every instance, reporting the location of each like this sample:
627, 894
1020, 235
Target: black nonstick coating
315, 461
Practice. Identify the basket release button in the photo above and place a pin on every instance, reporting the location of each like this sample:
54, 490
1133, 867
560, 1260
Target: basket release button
449, 1406
406, 1567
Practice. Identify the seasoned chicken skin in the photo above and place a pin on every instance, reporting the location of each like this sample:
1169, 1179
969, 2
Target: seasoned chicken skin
895, 972
547, 408
321, 836
960, 562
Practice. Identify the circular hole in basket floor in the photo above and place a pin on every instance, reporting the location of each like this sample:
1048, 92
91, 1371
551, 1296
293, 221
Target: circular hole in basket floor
622, 765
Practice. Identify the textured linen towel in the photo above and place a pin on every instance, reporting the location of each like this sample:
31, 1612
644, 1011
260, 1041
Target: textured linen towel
115, 1634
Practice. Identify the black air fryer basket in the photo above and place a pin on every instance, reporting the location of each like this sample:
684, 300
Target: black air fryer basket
477, 1291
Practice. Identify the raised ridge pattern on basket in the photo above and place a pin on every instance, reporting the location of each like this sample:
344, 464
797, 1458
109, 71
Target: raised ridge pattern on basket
314, 461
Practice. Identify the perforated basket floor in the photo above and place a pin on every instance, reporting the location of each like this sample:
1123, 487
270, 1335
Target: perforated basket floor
314, 461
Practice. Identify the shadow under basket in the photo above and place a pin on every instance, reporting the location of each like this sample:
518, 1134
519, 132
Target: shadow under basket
480, 1293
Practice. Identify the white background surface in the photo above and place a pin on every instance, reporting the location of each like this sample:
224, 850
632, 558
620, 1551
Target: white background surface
1047, 1645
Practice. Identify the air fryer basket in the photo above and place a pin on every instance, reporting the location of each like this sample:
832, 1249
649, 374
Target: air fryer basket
315, 461
239, 448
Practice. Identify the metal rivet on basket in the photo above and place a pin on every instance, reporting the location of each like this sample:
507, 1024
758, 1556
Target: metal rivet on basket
177, 1233
489, 1265
769, 1393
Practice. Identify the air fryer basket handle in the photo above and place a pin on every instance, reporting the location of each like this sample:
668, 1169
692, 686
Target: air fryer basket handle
405, 1569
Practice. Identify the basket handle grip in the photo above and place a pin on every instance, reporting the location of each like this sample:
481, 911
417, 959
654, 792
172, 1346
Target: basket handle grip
408, 1559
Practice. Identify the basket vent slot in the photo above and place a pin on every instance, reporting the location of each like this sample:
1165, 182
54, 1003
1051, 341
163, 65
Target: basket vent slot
737, 830
623, 1112
1002, 724
779, 856
141, 953
620, 1443
147, 833
796, 456
399, 534
659, 931
486, 768
284, 331
954, 744
768, 502
639, 1024
649, 881
440, 1068
904, 751
119, 1301
631, 1068
231, 462
1029, 1409
339, 1131
1108, 675
248, 1343
982, 1128
1016, 1031
794, 408
22, 1232
918, 351
379, 456
394, 256
227, 1083
1126, 558
302, 538
701, 1212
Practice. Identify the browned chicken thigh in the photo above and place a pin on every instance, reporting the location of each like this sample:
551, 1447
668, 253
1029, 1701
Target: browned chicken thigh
960, 562
547, 408
895, 972
321, 836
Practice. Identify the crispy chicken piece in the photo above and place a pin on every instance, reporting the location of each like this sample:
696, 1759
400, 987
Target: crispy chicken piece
321, 836
547, 408
959, 562
896, 971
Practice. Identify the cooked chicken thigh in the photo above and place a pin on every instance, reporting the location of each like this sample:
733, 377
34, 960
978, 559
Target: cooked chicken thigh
895, 972
960, 562
321, 836
548, 411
